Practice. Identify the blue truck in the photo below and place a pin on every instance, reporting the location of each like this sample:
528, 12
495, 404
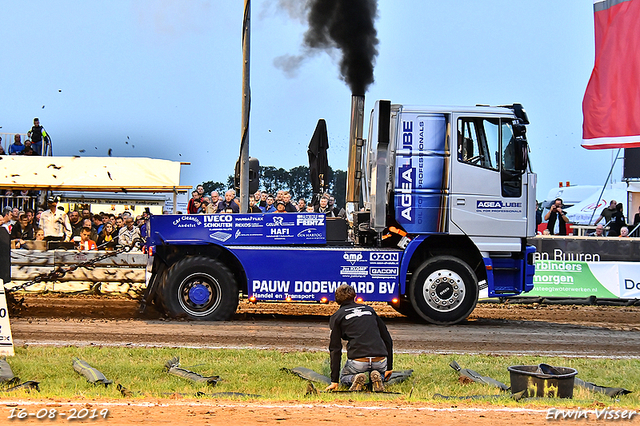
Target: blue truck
440, 204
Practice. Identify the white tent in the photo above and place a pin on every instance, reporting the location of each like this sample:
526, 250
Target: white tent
110, 174
588, 210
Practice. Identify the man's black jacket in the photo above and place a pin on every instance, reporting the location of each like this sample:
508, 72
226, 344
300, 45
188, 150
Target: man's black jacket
365, 333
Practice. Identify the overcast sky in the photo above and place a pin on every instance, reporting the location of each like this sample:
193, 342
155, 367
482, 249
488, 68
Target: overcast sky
162, 78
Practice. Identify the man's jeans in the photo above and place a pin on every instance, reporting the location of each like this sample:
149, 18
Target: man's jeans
352, 367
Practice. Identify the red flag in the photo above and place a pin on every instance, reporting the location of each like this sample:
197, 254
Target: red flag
611, 105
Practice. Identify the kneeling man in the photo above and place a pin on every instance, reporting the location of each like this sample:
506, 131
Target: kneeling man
369, 344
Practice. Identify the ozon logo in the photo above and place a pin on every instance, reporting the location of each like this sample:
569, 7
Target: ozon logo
384, 257
352, 257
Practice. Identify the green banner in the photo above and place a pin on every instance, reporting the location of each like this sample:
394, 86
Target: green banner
568, 279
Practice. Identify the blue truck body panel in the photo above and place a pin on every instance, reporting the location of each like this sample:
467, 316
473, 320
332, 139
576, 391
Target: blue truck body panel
240, 229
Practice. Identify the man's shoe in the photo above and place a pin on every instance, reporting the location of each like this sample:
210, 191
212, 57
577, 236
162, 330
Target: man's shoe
376, 381
358, 382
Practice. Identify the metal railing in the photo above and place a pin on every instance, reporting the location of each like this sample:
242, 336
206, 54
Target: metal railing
7, 139
22, 202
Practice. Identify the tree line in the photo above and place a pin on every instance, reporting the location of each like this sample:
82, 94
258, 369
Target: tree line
295, 180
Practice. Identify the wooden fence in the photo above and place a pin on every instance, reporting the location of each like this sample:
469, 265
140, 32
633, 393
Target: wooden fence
124, 273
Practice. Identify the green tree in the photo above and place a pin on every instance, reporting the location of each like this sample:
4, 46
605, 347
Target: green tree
300, 184
296, 181
210, 186
338, 186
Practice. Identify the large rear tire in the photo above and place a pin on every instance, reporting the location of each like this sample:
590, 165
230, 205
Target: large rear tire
199, 288
444, 290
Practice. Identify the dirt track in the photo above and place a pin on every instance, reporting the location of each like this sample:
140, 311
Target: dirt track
493, 328
80, 320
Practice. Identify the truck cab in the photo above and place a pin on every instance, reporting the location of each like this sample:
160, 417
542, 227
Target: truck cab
457, 181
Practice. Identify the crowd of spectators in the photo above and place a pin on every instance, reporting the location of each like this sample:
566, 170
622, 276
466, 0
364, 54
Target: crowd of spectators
610, 223
37, 138
260, 202
78, 228
107, 231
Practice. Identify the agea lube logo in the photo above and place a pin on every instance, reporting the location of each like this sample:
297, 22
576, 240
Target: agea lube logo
498, 205
407, 174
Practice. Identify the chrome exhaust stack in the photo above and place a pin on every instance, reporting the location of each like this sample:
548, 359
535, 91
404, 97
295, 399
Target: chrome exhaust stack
354, 167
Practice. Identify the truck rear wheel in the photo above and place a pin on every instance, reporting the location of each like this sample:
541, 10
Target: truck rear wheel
443, 290
200, 288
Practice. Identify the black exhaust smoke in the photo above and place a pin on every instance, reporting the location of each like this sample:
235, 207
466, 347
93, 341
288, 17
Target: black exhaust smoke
347, 25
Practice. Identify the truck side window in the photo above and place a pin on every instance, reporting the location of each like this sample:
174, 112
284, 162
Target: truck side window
510, 176
478, 142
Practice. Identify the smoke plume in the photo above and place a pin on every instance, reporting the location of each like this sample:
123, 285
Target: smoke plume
347, 25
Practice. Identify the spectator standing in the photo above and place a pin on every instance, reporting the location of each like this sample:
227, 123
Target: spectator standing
302, 205
30, 215
76, 223
129, 233
38, 135
617, 222
337, 211
253, 208
108, 238
280, 207
15, 215
55, 223
323, 207
607, 213
5, 246
97, 222
86, 243
191, 208
269, 207
22, 230
214, 204
263, 199
198, 208
288, 206
86, 223
636, 222
119, 223
557, 219
2, 148
16, 147
229, 203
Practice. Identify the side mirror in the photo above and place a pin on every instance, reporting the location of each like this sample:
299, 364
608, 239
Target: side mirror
522, 147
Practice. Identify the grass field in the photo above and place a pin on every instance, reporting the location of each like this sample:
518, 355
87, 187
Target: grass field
258, 372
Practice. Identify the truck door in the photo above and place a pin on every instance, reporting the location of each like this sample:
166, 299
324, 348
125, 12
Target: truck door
487, 197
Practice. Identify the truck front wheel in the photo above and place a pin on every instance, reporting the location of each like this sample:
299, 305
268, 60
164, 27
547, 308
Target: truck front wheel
199, 288
443, 290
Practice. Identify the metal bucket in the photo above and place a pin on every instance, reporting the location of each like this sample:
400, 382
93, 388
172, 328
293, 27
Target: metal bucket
543, 380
